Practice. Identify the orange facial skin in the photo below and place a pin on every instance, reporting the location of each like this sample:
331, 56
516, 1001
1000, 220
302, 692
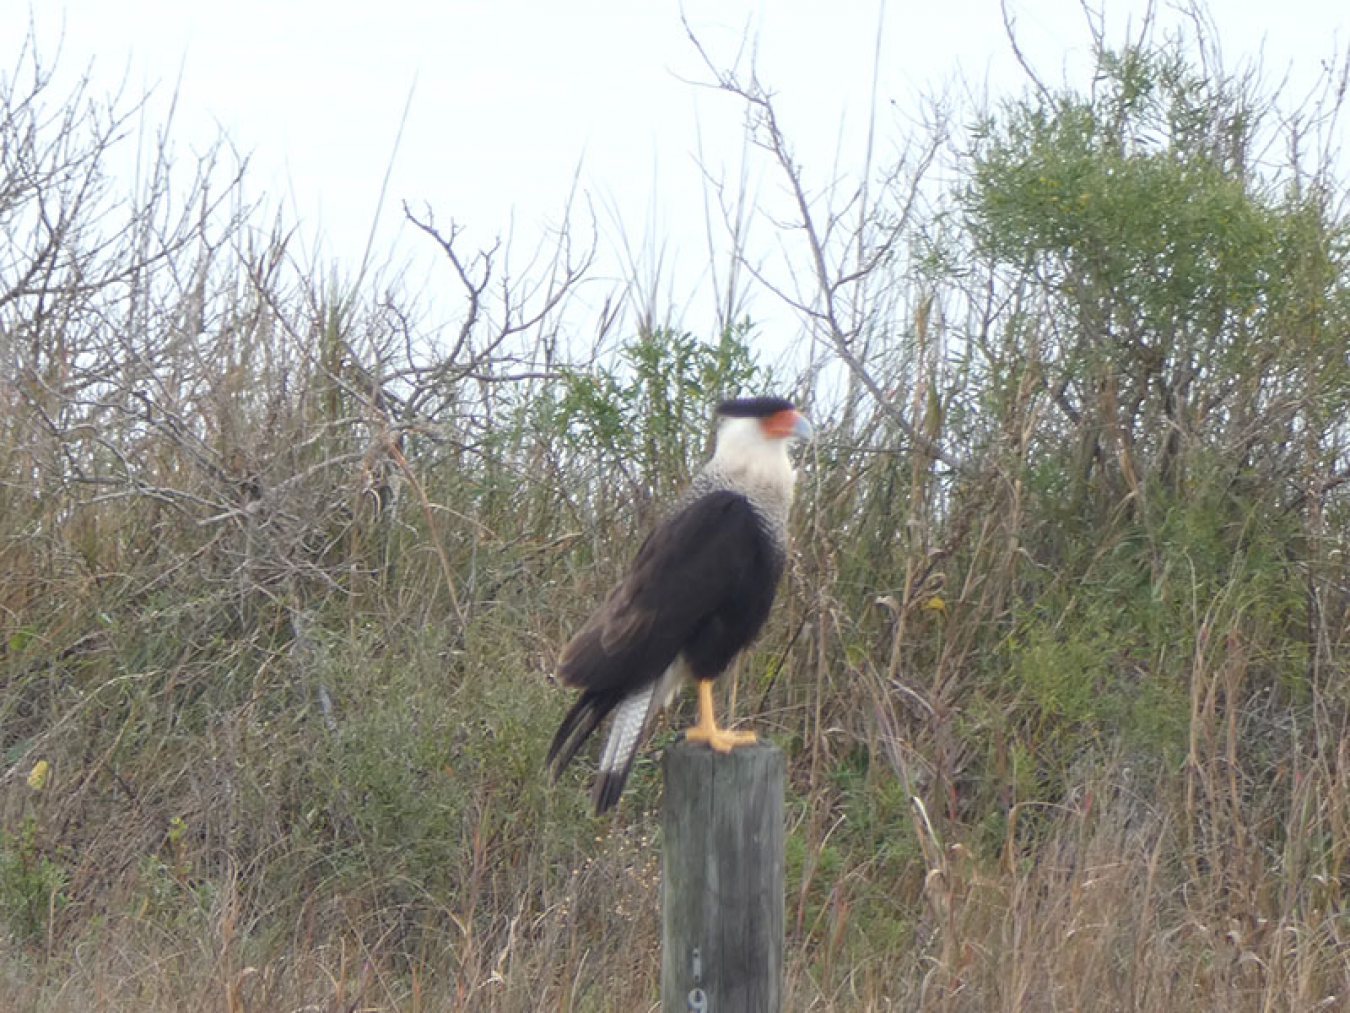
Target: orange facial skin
783, 424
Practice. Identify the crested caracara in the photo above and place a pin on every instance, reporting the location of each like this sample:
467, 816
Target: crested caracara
698, 592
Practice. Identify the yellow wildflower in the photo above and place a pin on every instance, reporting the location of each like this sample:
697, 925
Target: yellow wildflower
37, 777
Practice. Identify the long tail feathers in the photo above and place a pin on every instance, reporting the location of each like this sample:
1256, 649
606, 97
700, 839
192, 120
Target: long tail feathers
576, 727
625, 735
633, 715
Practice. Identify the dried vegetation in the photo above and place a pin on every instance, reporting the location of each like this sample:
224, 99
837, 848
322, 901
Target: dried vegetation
1061, 664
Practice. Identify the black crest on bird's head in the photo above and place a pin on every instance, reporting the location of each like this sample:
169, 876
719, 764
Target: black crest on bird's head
753, 407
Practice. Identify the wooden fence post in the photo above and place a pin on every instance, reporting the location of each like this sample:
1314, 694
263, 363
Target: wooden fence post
722, 880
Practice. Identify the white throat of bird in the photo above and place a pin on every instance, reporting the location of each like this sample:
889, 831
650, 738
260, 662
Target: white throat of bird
751, 458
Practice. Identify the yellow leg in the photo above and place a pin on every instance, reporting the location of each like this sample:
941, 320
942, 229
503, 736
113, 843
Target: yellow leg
720, 739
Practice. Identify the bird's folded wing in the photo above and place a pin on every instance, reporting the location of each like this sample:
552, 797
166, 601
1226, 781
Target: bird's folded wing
687, 569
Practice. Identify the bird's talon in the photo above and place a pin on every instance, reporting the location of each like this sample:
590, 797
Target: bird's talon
721, 740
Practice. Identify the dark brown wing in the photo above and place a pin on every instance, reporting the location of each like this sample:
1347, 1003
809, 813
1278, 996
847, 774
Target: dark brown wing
692, 570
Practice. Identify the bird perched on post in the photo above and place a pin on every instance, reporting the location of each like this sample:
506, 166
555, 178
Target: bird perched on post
698, 592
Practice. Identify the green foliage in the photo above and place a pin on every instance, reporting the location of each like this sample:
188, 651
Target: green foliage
651, 406
1168, 261
168, 895
287, 588
1060, 681
1137, 188
32, 883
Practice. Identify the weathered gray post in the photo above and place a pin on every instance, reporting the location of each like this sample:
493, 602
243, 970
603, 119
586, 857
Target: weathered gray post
722, 880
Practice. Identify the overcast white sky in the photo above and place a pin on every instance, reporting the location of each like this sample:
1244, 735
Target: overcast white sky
510, 97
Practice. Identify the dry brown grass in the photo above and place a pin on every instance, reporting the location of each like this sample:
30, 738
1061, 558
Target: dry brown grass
1060, 665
